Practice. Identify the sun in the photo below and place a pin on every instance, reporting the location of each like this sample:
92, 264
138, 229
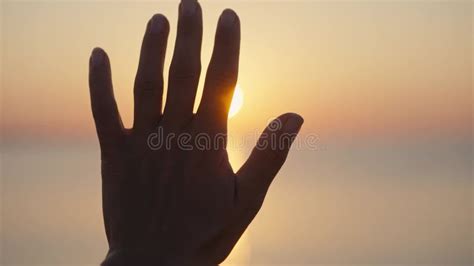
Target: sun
237, 101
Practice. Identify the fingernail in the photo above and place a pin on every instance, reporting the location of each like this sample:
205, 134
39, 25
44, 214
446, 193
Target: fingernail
157, 23
97, 56
227, 18
293, 124
188, 7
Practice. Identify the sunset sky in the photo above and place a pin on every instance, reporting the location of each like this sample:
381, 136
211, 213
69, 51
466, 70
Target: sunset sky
386, 86
348, 67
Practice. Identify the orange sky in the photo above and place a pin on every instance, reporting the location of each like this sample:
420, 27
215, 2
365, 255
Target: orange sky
353, 69
348, 68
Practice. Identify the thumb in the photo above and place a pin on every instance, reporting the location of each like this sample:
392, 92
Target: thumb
266, 159
254, 178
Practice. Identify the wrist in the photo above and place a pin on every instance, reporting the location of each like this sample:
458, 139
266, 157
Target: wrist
145, 257
129, 257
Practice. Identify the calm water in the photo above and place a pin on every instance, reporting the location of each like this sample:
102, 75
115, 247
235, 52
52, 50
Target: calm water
383, 203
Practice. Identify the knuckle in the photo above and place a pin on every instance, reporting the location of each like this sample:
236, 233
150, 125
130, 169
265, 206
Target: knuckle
223, 78
274, 155
148, 85
184, 72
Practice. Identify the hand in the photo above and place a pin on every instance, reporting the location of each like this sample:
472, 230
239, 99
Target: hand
169, 205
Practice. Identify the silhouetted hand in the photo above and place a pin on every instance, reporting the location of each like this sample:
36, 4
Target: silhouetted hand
169, 204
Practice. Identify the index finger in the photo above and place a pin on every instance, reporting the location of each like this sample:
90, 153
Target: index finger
221, 75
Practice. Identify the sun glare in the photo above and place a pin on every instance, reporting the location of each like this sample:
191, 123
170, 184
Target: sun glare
237, 101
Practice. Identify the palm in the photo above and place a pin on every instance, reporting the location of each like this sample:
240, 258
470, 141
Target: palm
179, 202
148, 211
